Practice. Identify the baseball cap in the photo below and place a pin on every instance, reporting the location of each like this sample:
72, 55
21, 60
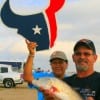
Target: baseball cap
85, 42
58, 54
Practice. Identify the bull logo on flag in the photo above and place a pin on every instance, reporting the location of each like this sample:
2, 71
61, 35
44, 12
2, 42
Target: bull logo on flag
34, 27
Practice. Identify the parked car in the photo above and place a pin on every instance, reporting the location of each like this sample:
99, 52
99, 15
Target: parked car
8, 77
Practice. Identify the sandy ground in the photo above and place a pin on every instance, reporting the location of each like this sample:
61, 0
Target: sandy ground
20, 92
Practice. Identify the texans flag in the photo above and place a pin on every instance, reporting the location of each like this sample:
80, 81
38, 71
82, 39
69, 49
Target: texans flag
40, 28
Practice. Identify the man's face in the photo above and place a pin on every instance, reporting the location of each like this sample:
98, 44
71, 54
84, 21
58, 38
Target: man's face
84, 58
59, 67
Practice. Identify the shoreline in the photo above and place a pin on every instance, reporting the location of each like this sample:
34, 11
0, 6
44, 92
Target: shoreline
20, 92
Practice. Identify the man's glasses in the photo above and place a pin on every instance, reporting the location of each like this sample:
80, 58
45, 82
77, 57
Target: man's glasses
87, 54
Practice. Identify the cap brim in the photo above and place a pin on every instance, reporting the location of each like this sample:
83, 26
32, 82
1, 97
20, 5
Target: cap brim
81, 44
57, 58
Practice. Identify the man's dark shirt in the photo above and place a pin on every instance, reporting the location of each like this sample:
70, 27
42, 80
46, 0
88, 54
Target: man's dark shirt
87, 87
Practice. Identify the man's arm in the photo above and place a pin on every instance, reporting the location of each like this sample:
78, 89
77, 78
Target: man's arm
29, 62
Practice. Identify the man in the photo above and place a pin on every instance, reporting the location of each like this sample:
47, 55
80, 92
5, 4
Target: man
58, 62
86, 81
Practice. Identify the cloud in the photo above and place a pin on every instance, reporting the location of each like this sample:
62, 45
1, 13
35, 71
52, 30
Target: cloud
19, 47
64, 26
77, 19
24, 7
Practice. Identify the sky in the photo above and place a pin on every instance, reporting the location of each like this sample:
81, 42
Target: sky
77, 19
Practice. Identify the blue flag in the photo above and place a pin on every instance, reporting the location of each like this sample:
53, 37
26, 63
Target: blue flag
34, 27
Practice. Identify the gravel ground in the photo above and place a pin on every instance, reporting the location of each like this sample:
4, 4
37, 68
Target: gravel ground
20, 92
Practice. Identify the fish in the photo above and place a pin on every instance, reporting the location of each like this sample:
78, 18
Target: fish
60, 89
